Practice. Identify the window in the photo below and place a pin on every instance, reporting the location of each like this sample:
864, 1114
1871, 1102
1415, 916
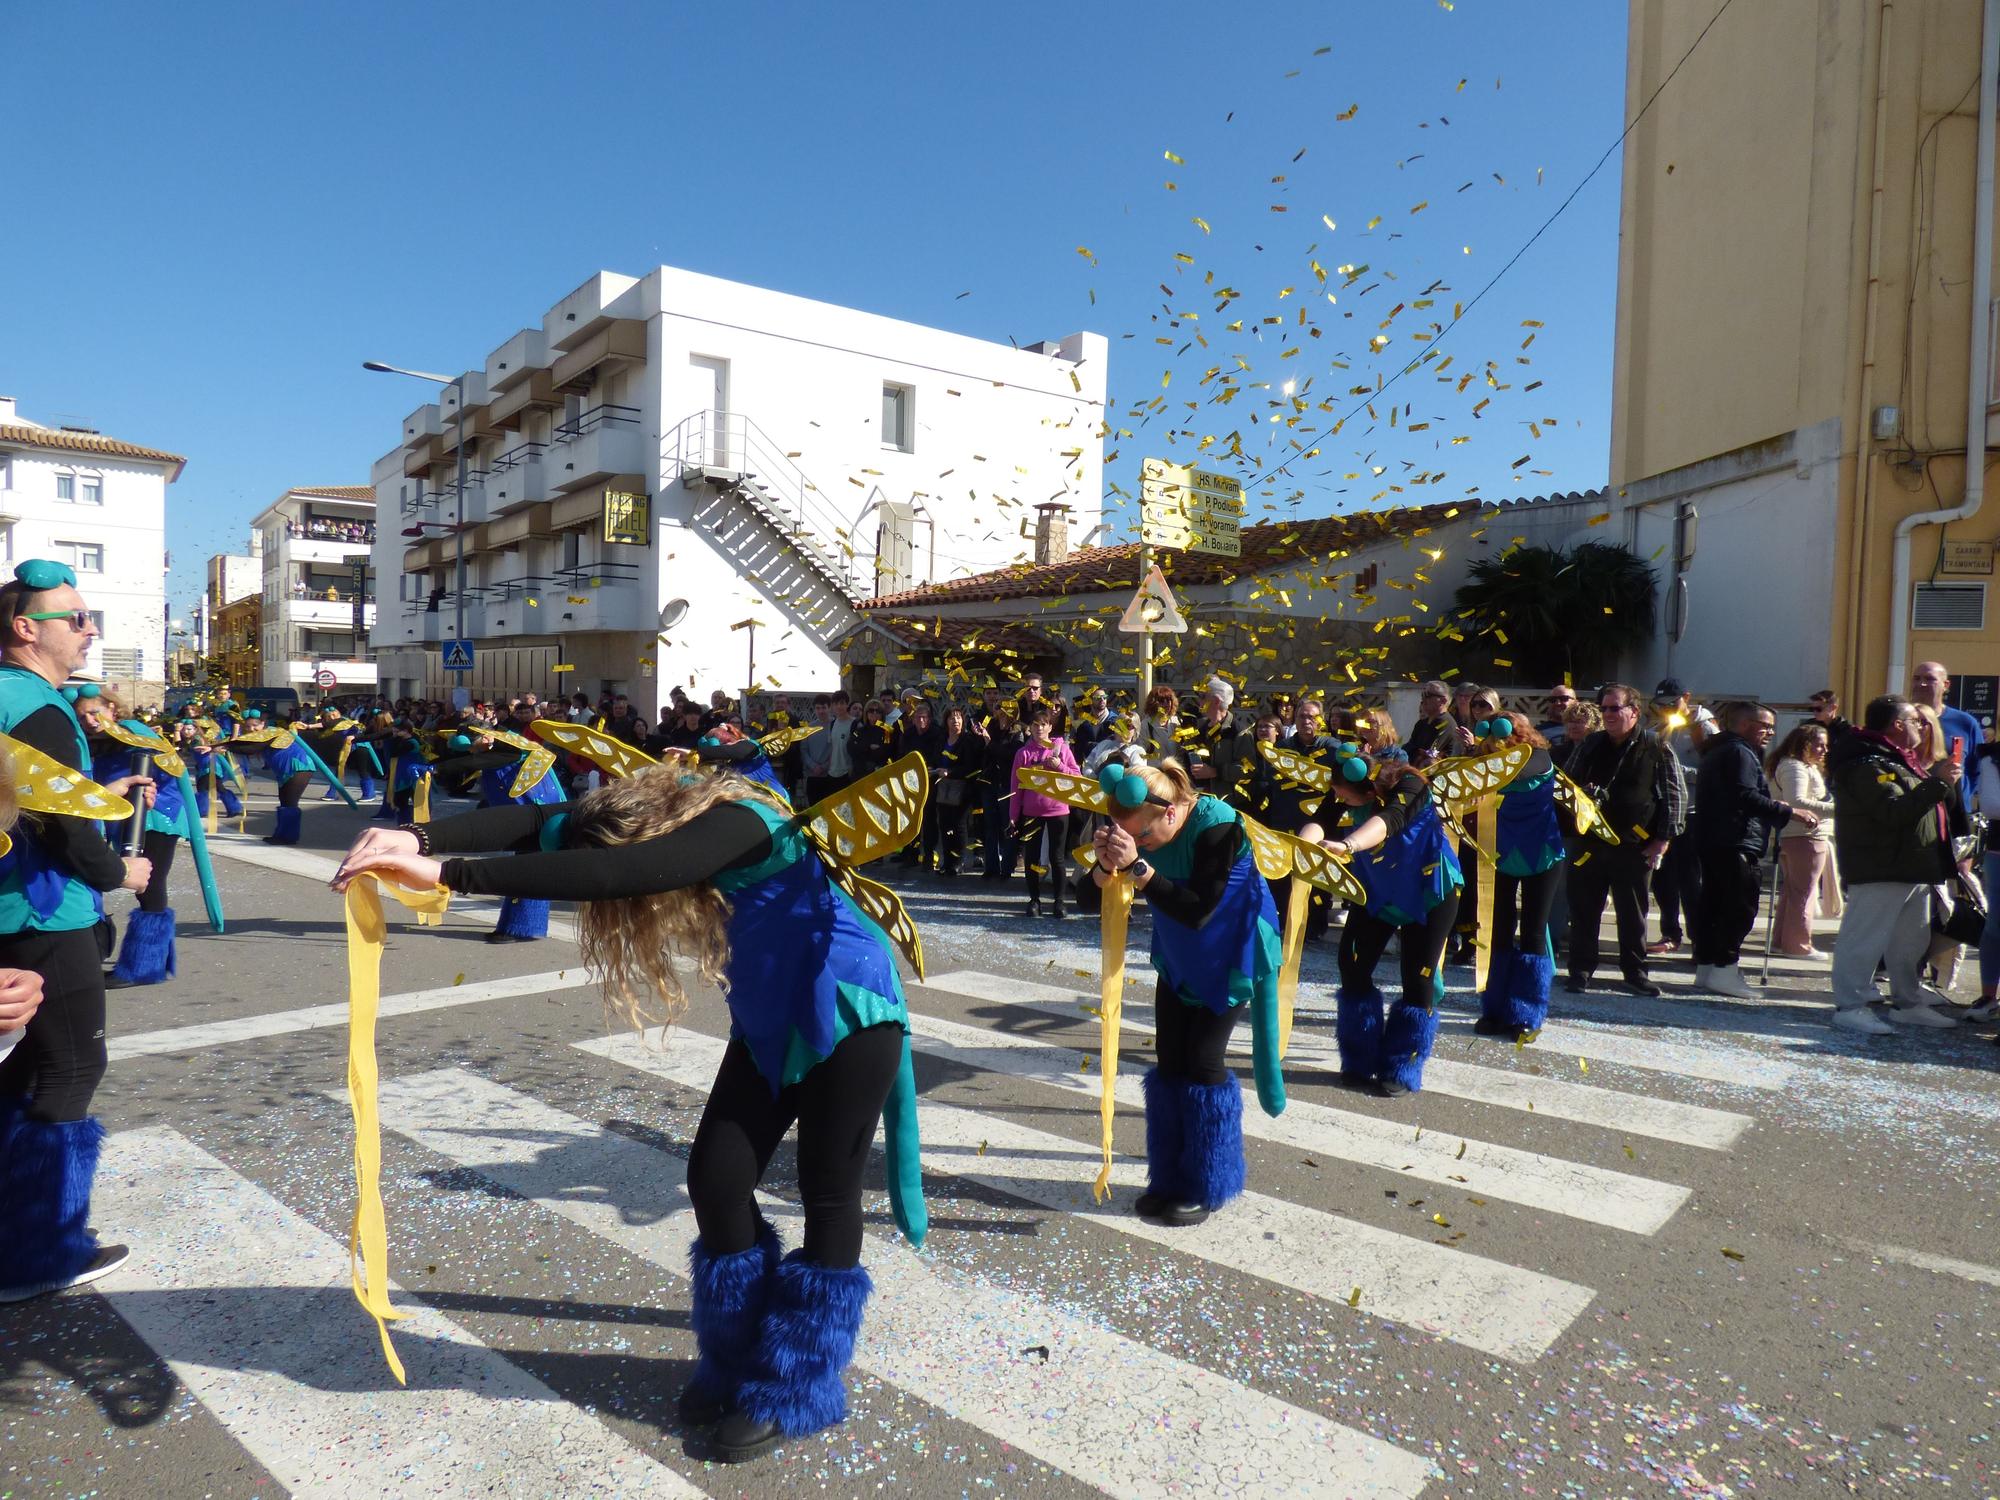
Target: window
6, 541
65, 487
91, 490
897, 431
84, 557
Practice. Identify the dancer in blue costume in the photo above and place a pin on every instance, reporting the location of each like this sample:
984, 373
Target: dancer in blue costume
725, 745
293, 765
1217, 951
714, 869
1529, 853
497, 767
148, 954
51, 900
1401, 851
203, 760
334, 741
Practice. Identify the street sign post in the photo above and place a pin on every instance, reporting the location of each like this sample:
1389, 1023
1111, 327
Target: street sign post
457, 656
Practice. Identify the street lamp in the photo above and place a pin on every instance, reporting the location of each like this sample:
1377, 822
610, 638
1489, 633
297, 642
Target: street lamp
458, 563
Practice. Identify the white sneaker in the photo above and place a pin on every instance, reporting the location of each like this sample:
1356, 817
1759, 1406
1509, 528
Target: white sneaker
1920, 1015
1729, 980
1702, 974
108, 1259
1863, 1020
1985, 1010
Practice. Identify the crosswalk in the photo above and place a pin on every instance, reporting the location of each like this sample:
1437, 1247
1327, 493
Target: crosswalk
247, 1302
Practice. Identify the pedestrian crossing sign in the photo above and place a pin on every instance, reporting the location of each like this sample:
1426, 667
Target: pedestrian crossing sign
458, 656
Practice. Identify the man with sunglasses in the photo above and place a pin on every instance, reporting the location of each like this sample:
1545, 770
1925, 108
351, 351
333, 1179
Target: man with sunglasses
51, 901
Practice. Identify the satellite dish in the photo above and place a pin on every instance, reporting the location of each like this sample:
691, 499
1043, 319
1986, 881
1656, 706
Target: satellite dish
672, 613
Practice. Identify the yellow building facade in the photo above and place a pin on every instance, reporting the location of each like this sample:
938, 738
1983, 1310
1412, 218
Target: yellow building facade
1796, 316
236, 651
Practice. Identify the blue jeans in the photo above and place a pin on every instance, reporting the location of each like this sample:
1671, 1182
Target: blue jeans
1989, 940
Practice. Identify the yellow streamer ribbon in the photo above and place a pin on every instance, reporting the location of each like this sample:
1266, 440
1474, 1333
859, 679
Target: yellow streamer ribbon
214, 819
340, 766
368, 1238
1487, 834
421, 812
243, 791
1116, 913
1298, 906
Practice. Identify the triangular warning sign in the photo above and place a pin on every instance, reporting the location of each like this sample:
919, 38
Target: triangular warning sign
1153, 610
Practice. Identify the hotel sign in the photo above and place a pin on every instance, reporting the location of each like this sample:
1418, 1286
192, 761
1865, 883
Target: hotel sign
628, 518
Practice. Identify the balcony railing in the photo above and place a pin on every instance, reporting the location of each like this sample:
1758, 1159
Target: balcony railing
602, 415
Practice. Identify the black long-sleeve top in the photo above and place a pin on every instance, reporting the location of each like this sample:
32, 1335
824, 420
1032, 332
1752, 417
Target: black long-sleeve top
728, 836
1191, 902
73, 843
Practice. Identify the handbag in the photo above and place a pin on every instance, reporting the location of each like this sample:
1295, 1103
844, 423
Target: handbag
950, 792
1966, 921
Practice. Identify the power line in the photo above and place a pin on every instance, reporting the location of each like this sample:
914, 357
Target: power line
1460, 315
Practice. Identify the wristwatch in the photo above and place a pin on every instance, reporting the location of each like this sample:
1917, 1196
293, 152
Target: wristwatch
1139, 869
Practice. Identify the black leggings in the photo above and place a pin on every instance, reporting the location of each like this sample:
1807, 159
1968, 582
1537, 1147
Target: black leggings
293, 787
61, 1060
1534, 896
1049, 854
1192, 1039
159, 848
1366, 935
837, 1106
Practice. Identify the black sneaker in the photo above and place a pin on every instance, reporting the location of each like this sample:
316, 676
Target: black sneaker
1151, 1205
697, 1409
741, 1437
108, 1259
1577, 984
1389, 1088
1032, 909
1183, 1214
1488, 1026
1642, 986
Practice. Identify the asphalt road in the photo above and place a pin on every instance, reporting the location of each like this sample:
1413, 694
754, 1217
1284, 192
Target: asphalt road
1677, 1247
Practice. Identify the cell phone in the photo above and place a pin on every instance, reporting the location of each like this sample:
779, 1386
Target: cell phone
1958, 750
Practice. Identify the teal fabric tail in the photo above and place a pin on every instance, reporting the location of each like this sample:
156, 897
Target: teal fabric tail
325, 770
373, 759
905, 1167
191, 830
1265, 1062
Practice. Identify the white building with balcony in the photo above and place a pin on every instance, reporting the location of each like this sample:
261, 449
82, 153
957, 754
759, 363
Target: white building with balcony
761, 456
100, 505
318, 587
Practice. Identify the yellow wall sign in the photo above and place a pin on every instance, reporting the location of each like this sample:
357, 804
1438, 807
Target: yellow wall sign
628, 518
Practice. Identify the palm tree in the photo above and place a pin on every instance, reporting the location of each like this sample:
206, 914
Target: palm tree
1561, 614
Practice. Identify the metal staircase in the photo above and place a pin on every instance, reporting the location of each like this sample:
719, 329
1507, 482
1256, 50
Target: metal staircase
730, 455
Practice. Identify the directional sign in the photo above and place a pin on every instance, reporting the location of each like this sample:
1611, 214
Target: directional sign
457, 656
1190, 509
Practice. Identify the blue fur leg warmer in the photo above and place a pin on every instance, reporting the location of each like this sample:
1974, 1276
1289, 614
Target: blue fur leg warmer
289, 823
367, 787
46, 1174
807, 1341
1407, 1039
147, 956
1166, 1134
731, 1293
520, 918
1527, 1002
1212, 1159
1357, 1031
232, 805
1499, 982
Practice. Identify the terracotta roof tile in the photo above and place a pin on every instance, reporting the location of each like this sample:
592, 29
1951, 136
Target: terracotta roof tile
57, 440
1266, 545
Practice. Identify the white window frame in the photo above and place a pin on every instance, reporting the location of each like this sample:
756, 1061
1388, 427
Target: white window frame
906, 440
85, 484
65, 477
73, 554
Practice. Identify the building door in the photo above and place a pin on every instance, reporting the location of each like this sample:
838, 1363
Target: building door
712, 379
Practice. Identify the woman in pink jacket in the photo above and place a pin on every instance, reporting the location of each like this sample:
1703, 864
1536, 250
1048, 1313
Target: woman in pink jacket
1041, 822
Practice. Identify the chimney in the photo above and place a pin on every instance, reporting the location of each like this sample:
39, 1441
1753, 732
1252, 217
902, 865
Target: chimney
1051, 533
7, 410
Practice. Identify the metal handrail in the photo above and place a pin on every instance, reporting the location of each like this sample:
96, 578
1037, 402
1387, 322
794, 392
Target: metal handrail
730, 442
520, 453
601, 415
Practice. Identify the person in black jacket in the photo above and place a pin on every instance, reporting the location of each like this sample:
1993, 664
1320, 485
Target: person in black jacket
1637, 783
1738, 817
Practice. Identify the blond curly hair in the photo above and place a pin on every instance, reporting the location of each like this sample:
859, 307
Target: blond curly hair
631, 943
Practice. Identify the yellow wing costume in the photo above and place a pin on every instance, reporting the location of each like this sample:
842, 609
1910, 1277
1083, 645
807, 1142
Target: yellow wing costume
1277, 854
608, 753
152, 742
776, 744
44, 786
877, 815
539, 758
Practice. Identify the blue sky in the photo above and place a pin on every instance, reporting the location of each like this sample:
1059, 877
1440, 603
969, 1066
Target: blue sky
225, 208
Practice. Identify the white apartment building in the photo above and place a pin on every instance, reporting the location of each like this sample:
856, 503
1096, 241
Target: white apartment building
100, 505
231, 576
761, 456
318, 594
